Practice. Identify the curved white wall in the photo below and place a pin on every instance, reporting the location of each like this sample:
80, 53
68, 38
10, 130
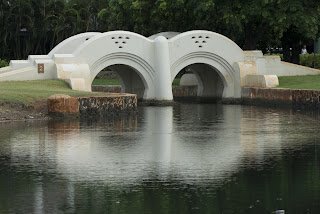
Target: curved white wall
155, 63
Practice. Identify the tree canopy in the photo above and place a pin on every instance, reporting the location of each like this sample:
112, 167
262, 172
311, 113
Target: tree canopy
35, 27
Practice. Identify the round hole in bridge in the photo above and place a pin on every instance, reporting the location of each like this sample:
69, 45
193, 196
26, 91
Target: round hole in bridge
200, 46
127, 37
87, 39
200, 37
113, 37
116, 42
124, 42
207, 37
196, 41
120, 47
193, 37
120, 37
204, 42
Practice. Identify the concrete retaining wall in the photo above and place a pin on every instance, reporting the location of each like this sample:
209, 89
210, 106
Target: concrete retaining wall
63, 105
107, 88
184, 91
296, 98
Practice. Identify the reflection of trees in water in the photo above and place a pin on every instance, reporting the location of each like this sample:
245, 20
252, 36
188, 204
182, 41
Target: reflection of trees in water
288, 177
293, 184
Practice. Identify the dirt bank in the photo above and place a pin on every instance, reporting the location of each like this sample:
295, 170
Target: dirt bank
21, 112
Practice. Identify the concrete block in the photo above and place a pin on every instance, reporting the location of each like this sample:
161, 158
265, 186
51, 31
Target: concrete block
261, 81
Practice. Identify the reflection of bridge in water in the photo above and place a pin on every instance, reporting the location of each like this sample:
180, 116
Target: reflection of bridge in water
121, 150
162, 144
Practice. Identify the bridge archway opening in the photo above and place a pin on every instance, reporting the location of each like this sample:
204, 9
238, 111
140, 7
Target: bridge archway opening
199, 81
119, 78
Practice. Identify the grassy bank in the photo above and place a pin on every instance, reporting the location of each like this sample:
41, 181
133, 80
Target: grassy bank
26, 92
300, 82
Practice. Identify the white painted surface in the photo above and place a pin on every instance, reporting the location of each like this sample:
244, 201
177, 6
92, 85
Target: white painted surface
261, 81
147, 66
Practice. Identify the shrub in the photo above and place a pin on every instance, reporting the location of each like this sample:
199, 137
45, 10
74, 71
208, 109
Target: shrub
3, 63
310, 60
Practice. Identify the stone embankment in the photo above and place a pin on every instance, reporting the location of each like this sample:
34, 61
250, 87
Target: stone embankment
278, 97
110, 104
295, 98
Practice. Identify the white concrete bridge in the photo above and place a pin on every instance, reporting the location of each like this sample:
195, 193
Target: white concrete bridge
147, 66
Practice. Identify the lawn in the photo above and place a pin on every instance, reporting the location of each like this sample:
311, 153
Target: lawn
30, 91
300, 82
106, 82
117, 82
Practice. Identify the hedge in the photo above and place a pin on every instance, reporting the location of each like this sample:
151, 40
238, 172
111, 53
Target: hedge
310, 60
3, 63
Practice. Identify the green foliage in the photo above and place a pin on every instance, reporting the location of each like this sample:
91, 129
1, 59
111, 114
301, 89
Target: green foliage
176, 82
30, 91
300, 82
35, 27
3, 63
310, 60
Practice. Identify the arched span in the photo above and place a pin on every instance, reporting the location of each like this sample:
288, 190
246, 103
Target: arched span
205, 41
69, 45
115, 42
226, 72
212, 49
143, 69
120, 47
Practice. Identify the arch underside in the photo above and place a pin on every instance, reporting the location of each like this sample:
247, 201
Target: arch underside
216, 77
130, 80
210, 85
136, 76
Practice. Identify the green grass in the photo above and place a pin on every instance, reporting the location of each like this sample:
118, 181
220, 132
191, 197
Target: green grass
117, 82
26, 92
106, 82
300, 82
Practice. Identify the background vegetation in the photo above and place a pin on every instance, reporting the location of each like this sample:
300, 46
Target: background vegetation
35, 27
310, 60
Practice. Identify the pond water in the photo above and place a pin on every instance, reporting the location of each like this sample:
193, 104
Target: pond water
189, 158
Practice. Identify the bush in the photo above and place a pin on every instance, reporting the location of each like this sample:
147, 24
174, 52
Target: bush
3, 63
310, 60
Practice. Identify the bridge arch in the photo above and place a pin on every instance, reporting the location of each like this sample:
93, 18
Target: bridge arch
218, 53
135, 74
121, 50
69, 45
208, 67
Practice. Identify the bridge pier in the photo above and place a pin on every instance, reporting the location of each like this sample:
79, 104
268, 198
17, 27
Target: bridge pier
163, 83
